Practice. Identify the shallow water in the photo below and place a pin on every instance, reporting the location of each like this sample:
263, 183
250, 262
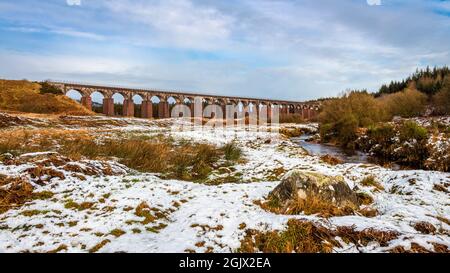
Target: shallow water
344, 155
323, 149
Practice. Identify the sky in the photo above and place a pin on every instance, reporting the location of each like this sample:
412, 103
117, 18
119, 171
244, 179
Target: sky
277, 49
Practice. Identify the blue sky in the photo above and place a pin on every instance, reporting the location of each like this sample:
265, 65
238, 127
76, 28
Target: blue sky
297, 50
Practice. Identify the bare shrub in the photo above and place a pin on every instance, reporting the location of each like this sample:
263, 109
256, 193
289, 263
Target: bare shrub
408, 103
341, 118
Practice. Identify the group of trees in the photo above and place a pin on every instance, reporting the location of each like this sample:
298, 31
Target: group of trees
426, 91
441, 100
428, 81
427, 88
340, 118
47, 88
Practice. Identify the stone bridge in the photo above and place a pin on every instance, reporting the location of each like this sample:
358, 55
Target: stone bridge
307, 110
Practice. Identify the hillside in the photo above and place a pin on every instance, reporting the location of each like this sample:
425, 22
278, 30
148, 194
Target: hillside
25, 96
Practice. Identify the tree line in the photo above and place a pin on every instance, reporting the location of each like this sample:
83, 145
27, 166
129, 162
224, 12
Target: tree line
428, 81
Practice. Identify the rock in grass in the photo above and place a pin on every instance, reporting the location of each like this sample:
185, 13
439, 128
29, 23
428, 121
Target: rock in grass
302, 185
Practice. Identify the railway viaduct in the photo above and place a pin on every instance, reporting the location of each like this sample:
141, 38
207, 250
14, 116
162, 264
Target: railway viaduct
307, 110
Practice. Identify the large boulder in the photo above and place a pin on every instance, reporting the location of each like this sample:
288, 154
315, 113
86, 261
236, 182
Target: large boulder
303, 185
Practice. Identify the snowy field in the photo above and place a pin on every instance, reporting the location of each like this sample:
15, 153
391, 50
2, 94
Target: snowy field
187, 217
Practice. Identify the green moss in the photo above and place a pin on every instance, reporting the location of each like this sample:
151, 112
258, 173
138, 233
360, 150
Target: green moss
30, 213
70, 204
43, 195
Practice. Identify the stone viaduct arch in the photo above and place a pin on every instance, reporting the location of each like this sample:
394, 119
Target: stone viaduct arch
249, 106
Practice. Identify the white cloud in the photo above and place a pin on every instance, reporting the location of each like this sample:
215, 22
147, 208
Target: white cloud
59, 31
58, 65
78, 34
177, 23
374, 2
73, 2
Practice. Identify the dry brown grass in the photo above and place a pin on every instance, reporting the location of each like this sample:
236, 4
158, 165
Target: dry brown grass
44, 174
364, 198
416, 248
308, 206
332, 160
371, 181
443, 219
14, 192
34, 140
70, 204
24, 96
58, 249
291, 132
186, 161
117, 232
425, 227
313, 205
143, 210
98, 246
439, 187
307, 237
364, 237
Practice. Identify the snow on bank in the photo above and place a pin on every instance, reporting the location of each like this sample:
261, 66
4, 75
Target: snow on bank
196, 217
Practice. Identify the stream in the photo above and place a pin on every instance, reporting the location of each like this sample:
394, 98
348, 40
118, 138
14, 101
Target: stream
320, 149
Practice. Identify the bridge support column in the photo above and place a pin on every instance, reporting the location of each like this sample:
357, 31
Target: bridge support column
191, 107
128, 108
307, 113
313, 113
108, 106
86, 101
147, 109
224, 111
262, 115
257, 110
246, 110
282, 112
163, 109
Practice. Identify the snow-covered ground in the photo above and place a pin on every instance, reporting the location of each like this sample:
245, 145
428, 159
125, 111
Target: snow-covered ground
197, 217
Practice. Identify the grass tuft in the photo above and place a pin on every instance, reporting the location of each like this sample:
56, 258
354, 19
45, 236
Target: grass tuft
232, 151
307, 237
370, 181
